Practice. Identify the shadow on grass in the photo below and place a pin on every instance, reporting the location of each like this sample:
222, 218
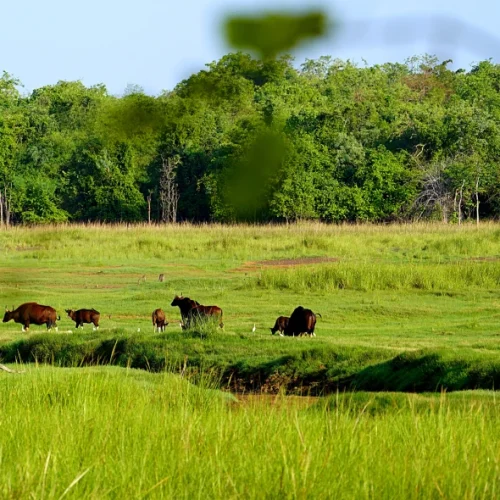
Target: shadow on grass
238, 365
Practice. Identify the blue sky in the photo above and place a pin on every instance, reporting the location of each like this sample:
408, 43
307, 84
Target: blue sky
155, 44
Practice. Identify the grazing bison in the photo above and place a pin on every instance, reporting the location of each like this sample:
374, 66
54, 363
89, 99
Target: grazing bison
84, 316
204, 313
159, 322
31, 312
280, 325
185, 304
302, 321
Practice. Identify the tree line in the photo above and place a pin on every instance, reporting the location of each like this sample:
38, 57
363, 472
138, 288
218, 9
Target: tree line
258, 140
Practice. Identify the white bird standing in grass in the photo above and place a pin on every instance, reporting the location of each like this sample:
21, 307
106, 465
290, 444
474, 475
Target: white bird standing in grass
253, 329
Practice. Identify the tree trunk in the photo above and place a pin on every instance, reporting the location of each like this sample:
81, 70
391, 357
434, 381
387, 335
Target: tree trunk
460, 203
444, 211
455, 202
477, 201
149, 208
7, 200
169, 194
1, 209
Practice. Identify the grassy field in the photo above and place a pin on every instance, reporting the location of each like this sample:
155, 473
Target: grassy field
109, 432
407, 308
421, 297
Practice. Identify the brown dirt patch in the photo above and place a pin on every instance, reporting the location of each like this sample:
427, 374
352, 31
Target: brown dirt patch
300, 261
485, 259
20, 248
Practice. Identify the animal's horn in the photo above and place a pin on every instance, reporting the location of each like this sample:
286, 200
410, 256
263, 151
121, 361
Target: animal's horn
6, 308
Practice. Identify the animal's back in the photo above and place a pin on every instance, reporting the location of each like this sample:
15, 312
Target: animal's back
26, 308
40, 314
158, 314
301, 321
311, 322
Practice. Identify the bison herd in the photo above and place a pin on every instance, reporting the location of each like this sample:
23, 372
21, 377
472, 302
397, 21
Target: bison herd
301, 322
36, 314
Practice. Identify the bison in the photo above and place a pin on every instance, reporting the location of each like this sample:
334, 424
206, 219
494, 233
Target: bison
31, 312
280, 325
159, 321
84, 316
185, 304
203, 313
302, 321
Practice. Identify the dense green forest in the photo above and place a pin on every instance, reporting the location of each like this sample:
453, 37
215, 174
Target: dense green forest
258, 140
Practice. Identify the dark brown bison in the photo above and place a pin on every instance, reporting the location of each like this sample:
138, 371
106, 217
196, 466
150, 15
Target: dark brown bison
84, 316
200, 312
159, 321
280, 325
302, 321
185, 304
31, 312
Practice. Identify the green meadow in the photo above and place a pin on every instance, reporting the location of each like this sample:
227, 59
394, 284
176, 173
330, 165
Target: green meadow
394, 397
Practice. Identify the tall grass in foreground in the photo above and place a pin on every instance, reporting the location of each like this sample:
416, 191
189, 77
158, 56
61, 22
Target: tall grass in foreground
110, 433
382, 276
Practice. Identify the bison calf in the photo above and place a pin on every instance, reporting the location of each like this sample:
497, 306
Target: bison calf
159, 321
84, 316
280, 325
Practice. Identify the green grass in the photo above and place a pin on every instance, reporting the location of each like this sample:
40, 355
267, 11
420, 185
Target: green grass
113, 432
243, 366
409, 309
391, 290
364, 276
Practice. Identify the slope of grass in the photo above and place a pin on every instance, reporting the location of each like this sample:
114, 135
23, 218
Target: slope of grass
299, 367
113, 432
